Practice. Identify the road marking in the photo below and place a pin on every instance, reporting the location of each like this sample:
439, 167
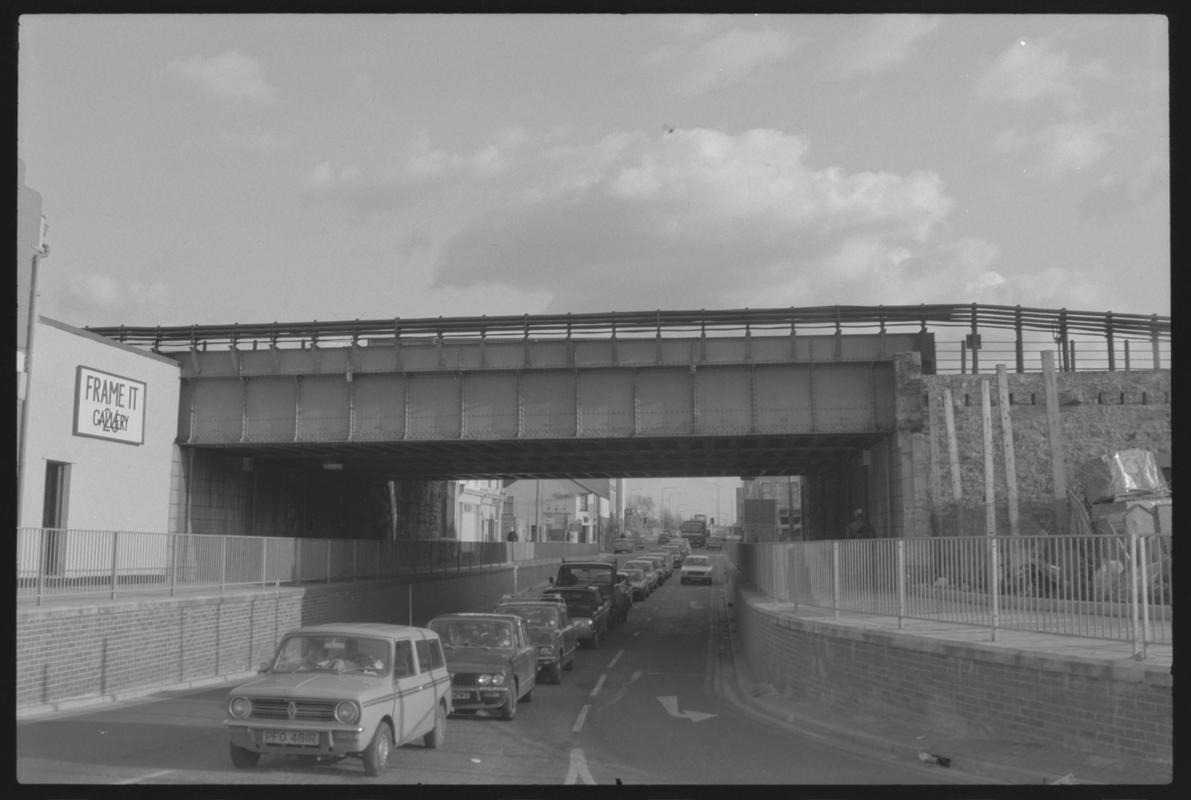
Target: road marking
670, 703
599, 685
578, 769
148, 777
615, 658
578, 726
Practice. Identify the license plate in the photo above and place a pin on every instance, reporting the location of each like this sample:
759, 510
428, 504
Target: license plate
307, 738
459, 695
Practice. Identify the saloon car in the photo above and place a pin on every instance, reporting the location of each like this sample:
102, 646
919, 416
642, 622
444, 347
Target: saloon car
638, 583
696, 569
646, 565
551, 632
492, 662
587, 608
336, 690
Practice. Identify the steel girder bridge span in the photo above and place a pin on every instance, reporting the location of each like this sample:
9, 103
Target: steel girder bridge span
428, 409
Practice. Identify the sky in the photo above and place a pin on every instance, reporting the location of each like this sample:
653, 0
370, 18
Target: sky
212, 169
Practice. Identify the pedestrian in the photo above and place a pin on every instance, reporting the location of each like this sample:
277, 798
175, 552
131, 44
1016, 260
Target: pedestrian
859, 527
512, 537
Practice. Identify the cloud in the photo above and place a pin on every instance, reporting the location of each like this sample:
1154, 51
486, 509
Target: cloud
723, 60
889, 40
103, 295
695, 216
228, 75
1061, 147
258, 140
327, 175
1027, 71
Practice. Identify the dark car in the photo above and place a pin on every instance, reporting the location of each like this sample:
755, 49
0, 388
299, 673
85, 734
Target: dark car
490, 658
589, 610
550, 631
599, 572
622, 545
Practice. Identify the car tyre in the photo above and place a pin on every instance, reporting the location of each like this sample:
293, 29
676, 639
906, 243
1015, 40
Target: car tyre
509, 709
570, 661
554, 671
376, 757
438, 734
528, 696
242, 758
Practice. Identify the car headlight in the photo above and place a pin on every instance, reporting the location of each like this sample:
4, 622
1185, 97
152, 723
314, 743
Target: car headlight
545, 651
240, 707
484, 680
498, 680
347, 712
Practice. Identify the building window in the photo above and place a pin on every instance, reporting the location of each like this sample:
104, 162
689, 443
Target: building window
582, 502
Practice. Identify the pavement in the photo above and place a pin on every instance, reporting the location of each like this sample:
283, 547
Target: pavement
983, 760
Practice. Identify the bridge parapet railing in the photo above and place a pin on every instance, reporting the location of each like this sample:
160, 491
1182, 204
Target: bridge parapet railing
1116, 587
59, 563
1086, 340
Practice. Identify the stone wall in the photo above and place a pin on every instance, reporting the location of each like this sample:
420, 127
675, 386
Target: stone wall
962, 688
74, 652
1099, 413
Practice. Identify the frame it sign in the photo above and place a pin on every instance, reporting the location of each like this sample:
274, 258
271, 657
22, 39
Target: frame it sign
108, 406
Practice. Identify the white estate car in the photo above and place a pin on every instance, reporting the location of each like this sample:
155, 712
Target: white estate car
349, 689
696, 569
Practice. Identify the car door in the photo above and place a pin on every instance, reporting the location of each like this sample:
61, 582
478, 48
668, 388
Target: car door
570, 636
525, 657
411, 699
420, 708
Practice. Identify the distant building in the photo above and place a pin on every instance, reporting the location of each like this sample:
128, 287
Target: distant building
478, 510
786, 493
562, 510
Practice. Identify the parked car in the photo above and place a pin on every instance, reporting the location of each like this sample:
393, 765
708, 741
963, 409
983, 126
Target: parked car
675, 554
492, 663
622, 545
696, 569
599, 572
650, 569
715, 543
589, 610
638, 583
344, 689
663, 538
550, 631
661, 561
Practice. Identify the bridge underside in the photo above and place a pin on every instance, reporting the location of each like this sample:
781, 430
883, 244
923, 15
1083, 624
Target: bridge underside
744, 456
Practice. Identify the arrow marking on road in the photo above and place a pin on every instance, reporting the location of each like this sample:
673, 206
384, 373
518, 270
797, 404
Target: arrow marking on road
578, 769
671, 705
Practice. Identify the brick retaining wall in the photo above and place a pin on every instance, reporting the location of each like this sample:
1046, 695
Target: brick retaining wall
960, 688
71, 652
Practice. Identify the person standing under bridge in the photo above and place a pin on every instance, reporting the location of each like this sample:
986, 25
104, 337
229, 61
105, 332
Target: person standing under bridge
859, 527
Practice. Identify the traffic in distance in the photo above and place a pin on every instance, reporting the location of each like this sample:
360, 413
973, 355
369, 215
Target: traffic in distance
359, 690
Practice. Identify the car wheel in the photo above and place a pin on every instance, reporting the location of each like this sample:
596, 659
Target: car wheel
554, 671
509, 709
528, 696
570, 661
243, 759
438, 733
595, 640
376, 757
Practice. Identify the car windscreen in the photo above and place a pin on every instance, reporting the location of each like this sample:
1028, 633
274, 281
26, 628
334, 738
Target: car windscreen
490, 633
646, 566
696, 561
534, 616
333, 653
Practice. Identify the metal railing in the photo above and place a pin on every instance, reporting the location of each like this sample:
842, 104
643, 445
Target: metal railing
1102, 587
64, 563
1150, 334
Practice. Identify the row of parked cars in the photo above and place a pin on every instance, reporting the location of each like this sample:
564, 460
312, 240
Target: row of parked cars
362, 689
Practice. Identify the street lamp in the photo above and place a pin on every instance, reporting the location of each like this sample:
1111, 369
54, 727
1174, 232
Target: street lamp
718, 519
662, 507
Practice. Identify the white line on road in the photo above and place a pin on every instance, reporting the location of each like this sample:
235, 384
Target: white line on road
148, 777
578, 726
615, 658
599, 685
578, 769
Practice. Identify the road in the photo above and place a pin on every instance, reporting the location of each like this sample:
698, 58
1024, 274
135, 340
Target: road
651, 705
